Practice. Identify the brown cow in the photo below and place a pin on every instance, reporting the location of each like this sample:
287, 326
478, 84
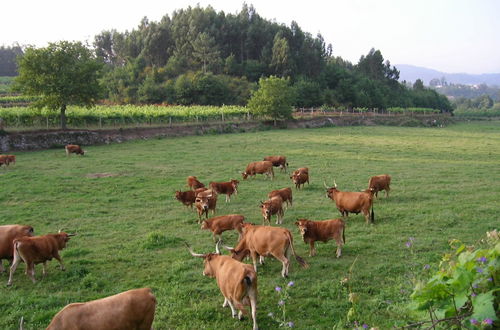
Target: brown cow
12, 159
186, 197
278, 161
222, 223
7, 235
227, 188
36, 250
193, 183
132, 309
379, 183
300, 177
74, 149
237, 282
262, 167
284, 193
4, 160
205, 200
263, 241
271, 207
323, 231
354, 202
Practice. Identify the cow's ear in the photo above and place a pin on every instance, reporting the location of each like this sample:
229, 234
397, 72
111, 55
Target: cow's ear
296, 223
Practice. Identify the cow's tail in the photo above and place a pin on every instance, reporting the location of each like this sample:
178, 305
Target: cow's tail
343, 233
372, 215
250, 283
299, 259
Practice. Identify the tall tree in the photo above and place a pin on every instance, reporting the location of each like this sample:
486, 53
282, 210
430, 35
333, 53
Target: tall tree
205, 50
62, 74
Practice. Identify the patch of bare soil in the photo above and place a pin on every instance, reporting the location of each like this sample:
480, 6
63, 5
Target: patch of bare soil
101, 175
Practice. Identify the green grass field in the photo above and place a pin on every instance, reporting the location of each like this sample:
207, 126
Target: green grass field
131, 229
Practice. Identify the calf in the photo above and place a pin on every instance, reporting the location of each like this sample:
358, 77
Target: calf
205, 200
284, 193
8, 234
74, 149
222, 223
237, 282
262, 167
278, 161
133, 309
186, 197
262, 241
272, 206
323, 231
227, 188
354, 202
38, 249
379, 183
193, 183
300, 177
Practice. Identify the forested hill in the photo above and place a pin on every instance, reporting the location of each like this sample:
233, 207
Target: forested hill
200, 56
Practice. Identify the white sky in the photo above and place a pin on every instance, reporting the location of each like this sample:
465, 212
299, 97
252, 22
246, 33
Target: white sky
446, 35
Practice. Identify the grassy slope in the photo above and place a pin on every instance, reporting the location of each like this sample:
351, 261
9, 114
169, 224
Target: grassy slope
445, 185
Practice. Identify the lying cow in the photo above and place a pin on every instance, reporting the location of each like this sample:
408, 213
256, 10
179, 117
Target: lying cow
205, 200
133, 309
226, 188
284, 193
352, 202
262, 167
300, 177
278, 161
273, 206
263, 241
8, 234
220, 224
186, 197
237, 282
379, 183
74, 149
323, 231
36, 250
193, 183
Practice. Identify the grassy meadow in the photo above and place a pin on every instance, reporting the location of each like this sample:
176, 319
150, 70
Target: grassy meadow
445, 184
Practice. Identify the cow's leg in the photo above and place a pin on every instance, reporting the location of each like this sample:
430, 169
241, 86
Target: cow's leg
312, 249
225, 303
366, 213
58, 257
44, 268
13, 267
253, 305
261, 260
31, 272
233, 311
339, 247
285, 262
254, 260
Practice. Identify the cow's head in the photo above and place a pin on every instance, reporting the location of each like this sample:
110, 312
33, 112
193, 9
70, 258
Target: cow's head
207, 258
63, 238
178, 195
203, 198
28, 230
330, 191
238, 253
205, 225
235, 183
266, 210
244, 175
302, 224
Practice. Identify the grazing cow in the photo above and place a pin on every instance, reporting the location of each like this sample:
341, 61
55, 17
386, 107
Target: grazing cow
4, 160
74, 149
186, 197
262, 167
272, 206
193, 183
227, 188
284, 193
8, 234
222, 223
323, 231
132, 309
264, 241
278, 161
36, 250
354, 202
300, 177
205, 200
237, 282
379, 183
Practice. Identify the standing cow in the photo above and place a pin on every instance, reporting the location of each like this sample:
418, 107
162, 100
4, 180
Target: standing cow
193, 183
352, 202
273, 206
284, 193
262, 167
379, 183
8, 234
74, 149
205, 200
237, 281
278, 161
312, 231
226, 188
133, 309
220, 224
300, 177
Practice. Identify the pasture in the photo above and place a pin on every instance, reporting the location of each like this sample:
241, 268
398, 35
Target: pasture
120, 200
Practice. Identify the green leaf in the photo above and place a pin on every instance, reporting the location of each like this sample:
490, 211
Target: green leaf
483, 306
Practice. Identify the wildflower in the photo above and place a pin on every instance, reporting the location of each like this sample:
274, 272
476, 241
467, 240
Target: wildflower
281, 302
277, 289
473, 294
488, 321
412, 239
270, 314
408, 244
365, 326
475, 285
479, 270
427, 266
482, 260
291, 324
474, 321
291, 283
490, 279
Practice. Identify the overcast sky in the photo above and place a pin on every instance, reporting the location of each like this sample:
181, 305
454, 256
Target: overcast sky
445, 35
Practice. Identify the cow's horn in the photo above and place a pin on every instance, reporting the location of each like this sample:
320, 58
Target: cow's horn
228, 247
74, 234
334, 183
324, 183
217, 248
192, 253
60, 230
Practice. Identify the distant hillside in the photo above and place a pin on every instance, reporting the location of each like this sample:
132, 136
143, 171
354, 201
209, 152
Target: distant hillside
411, 73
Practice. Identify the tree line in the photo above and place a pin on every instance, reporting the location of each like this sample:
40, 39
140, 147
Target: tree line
200, 56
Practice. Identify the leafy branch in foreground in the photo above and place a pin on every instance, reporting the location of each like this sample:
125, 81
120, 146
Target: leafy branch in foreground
465, 290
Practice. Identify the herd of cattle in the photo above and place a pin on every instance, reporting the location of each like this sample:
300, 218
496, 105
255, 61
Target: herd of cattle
134, 309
